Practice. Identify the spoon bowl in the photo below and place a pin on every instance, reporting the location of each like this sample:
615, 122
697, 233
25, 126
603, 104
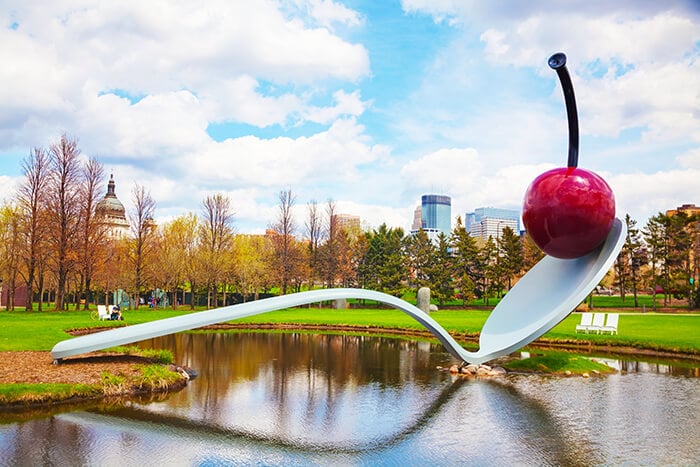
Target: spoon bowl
545, 296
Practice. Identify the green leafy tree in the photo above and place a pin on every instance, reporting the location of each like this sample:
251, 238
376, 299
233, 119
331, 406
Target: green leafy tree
10, 246
655, 237
512, 260
385, 267
465, 261
440, 271
531, 252
630, 260
421, 253
491, 283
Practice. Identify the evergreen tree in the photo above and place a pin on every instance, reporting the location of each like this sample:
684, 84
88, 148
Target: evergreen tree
511, 254
421, 253
385, 268
655, 238
440, 271
465, 268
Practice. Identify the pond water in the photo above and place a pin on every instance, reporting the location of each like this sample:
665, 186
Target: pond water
300, 399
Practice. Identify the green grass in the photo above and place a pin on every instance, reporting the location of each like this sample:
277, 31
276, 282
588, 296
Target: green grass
28, 394
558, 363
655, 331
21, 330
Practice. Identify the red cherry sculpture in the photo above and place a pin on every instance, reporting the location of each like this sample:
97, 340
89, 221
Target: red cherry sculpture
568, 211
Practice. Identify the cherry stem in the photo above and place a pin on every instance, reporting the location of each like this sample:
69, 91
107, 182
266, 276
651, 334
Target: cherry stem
558, 63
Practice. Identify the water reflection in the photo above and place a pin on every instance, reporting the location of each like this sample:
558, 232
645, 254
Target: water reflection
336, 390
300, 399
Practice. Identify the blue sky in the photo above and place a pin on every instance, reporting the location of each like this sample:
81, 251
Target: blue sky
370, 104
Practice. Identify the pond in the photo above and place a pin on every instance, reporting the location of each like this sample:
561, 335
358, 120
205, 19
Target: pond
300, 399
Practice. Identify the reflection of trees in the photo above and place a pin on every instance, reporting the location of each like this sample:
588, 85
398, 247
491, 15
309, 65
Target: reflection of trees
223, 358
326, 369
330, 366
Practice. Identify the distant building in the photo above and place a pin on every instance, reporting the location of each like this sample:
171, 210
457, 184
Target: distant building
113, 212
435, 216
688, 209
349, 223
490, 222
417, 222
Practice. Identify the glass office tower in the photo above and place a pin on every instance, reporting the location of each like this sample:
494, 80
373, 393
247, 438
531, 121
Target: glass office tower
436, 214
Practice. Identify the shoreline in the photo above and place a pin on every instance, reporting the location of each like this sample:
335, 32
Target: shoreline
37, 368
586, 347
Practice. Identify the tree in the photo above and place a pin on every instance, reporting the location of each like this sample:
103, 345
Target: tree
31, 204
142, 243
171, 247
421, 253
64, 211
491, 280
189, 243
252, 264
285, 253
465, 266
655, 238
510, 250
313, 233
329, 251
93, 231
440, 271
385, 266
630, 260
683, 236
10, 244
216, 233
531, 252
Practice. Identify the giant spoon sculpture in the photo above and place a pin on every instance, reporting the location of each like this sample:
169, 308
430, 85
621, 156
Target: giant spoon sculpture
569, 212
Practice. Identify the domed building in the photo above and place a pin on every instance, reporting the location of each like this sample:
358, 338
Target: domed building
113, 212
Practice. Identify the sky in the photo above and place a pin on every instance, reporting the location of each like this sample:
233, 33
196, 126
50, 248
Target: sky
368, 104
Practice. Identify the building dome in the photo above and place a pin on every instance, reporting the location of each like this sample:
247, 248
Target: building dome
112, 210
110, 204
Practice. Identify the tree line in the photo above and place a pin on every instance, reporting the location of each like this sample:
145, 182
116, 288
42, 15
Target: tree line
56, 243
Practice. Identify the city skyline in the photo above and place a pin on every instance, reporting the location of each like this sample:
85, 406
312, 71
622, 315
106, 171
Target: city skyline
370, 105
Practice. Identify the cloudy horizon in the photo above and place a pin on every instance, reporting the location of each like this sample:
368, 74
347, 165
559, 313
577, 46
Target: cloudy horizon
370, 105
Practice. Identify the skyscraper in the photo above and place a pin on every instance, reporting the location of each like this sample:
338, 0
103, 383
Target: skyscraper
435, 215
490, 222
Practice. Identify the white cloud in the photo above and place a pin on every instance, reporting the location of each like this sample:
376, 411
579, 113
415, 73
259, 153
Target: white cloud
645, 195
159, 126
63, 59
690, 159
8, 188
328, 12
332, 155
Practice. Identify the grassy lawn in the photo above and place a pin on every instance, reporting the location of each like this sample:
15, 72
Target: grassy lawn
20, 330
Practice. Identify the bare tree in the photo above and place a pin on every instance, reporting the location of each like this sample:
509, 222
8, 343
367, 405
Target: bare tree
216, 233
63, 202
93, 231
31, 202
283, 240
143, 235
330, 250
313, 232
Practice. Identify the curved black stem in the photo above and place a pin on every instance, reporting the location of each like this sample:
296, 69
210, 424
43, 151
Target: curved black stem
558, 63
